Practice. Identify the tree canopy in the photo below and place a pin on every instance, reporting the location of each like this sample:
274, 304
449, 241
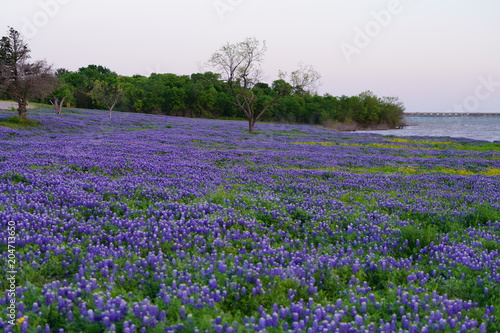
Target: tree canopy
208, 95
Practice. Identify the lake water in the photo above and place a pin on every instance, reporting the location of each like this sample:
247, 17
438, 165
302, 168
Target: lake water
486, 128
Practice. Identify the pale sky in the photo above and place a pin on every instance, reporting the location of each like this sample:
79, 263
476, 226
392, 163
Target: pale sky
435, 55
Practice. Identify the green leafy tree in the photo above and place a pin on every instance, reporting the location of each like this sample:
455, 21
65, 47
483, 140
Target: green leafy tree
312, 111
225, 106
330, 110
84, 81
292, 98
368, 114
63, 92
201, 94
289, 109
392, 112
107, 94
174, 99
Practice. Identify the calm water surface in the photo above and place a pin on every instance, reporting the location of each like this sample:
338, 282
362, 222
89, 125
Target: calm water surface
486, 128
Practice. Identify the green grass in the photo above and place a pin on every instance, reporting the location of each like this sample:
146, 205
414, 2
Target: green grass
15, 177
480, 146
411, 144
16, 122
416, 239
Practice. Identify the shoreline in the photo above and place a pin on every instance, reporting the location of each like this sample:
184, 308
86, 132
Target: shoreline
451, 114
352, 127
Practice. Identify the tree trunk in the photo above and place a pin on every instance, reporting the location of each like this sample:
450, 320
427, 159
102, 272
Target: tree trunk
113, 105
251, 125
22, 109
57, 106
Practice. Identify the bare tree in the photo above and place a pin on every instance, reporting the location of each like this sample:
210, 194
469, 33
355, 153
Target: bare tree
304, 80
240, 66
21, 79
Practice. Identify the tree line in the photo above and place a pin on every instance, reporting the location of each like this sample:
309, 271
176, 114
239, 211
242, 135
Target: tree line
233, 90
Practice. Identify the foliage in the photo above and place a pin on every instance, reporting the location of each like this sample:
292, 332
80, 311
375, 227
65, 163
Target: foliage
17, 122
205, 95
63, 93
106, 94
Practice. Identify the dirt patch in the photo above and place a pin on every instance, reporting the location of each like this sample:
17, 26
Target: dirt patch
8, 105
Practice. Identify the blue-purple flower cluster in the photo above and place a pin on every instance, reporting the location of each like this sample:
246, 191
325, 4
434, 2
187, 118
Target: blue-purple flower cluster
148, 223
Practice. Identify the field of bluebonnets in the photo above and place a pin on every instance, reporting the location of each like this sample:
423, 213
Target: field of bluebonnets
150, 223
